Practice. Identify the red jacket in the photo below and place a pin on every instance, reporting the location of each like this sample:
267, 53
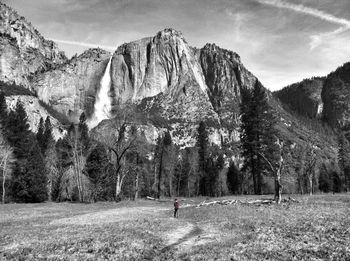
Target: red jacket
176, 205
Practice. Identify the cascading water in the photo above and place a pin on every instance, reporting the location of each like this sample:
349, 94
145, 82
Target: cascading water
102, 108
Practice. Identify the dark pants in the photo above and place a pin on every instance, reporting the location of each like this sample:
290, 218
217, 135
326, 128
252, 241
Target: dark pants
175, 212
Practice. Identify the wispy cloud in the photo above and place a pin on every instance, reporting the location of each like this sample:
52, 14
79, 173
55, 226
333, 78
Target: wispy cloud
317, 39
89, 45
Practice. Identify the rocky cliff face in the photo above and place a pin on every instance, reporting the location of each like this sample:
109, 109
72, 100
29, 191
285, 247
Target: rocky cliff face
225, 77
23, 51
34, 112
336, 97
150, 66
71, 87
164, 84
304, 97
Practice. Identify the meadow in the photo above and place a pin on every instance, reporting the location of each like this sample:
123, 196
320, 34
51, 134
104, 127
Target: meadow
316, 228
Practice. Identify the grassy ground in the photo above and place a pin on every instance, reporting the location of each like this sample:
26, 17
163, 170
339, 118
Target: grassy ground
317, 228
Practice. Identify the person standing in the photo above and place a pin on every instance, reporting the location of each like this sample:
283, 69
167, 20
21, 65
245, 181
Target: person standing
176, 208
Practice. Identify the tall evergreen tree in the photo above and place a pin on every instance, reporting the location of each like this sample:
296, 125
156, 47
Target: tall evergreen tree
40, 135
47, 135
344, 160
19, 134
163, 162
83, 132
96, 170
233, 178
29, 183
257, 134
50, 157
202, 145
3, 111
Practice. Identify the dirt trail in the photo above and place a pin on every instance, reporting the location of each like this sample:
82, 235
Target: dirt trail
183, 238
109, 216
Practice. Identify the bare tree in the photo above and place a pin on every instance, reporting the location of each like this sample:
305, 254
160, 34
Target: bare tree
310, 167
6, 160
78, 153
277, 171
119, 142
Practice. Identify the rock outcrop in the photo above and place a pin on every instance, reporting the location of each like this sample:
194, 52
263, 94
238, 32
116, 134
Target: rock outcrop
225, 77
154, 65
336, 97
304, 97
34, 112
71, 88
23, 51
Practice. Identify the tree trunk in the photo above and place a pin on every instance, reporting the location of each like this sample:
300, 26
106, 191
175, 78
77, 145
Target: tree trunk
160, 174
278, 187
254, 176
170, 184
118, 186
4, 182
137, 186
311, 184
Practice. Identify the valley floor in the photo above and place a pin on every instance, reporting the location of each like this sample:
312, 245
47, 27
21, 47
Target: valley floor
317, 228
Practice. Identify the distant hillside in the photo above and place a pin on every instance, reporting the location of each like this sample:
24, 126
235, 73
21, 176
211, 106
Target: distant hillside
336, 97
304, 97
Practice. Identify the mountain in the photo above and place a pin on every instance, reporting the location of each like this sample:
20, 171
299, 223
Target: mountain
70, 88
336, 97
304, 97
23, 51
163, 75
161, 83
325, 98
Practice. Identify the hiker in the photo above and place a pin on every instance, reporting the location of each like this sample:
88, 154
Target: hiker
176, 208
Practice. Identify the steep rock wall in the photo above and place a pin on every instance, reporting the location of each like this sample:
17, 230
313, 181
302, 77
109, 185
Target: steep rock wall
23, 51
71, 88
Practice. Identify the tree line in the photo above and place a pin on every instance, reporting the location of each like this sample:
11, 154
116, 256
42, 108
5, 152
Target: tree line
119, 163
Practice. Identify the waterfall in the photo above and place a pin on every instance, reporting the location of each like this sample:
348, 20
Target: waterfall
103, 101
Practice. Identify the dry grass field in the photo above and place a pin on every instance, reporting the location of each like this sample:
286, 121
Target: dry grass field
317, 228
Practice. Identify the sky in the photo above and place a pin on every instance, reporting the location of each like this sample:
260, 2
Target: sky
279, 41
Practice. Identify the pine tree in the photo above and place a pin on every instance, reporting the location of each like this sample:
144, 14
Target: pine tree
3, 111
19, 134
50, 157
233, 178
344, 160
257, 134
325, 183
83, 132
40, 135
29, 183
96, 170
37, 180
202, 145
47, 135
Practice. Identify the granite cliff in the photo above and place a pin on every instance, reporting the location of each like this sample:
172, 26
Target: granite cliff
23, 51
163, 83
304, 97
336, 98
71, 87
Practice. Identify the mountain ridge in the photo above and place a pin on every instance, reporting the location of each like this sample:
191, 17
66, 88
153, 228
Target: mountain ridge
173, 87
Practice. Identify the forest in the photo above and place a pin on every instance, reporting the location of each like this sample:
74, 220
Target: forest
88, 166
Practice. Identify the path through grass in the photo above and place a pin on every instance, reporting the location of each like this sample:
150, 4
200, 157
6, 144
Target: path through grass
318, 228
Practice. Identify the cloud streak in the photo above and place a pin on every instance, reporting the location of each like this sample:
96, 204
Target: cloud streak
83, 44
317, 39
307, 10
